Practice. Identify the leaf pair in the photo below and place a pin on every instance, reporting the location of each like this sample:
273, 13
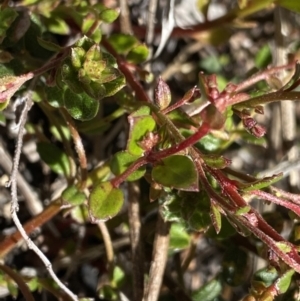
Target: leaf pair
84, 78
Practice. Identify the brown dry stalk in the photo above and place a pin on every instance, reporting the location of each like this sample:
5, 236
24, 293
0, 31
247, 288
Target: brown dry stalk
135, 240
159, 260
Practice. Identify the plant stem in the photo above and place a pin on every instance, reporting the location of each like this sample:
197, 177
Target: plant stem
263, 75
271, 198
12, 240
17, 278
159, 260
79, 148
108, 248
14, 198
265, 99
135, 240
140, 94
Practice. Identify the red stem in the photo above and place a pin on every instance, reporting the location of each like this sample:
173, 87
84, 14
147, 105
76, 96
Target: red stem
182, 101
132, 168
134, 84
290, 258
231, 191
202, 131
263, 75
269, 197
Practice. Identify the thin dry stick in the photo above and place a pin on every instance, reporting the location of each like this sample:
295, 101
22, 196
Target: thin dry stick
288, 116
79, 148
152, 7
151, 22
158, 264
19, 281
191, 253
33, 204
11, 241
108, 247
14, 198
135, 239
125, 17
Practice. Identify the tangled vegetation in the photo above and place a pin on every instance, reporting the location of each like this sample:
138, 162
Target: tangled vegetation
133, 180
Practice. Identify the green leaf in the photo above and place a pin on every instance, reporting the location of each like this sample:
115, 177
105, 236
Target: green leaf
226, 231
179, 238
177, 172
109, 15
234, 266
94, 53
247, 137
122, 43
72, 196
211, 64
2, 119
80, 214
107, 74
114, 86
181, 117
54, 96
283, 283
284, 246
85, 42
121, 161
171, 207
13, 289
107, 292
7, 17
77, 57
5, 57
57, 25
208, 292
54, 157
199, 221
49, 45
264, 57
216, 217
266, 275
33, 284
243, 210
138, 54
261, 183
80, 106
290, 4
94, 90
70, 76
105, 201
118, 277
209, 143
142, 111
213, 161
140, 126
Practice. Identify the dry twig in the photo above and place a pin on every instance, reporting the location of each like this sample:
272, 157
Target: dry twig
135, 239
28, 103
158, 264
